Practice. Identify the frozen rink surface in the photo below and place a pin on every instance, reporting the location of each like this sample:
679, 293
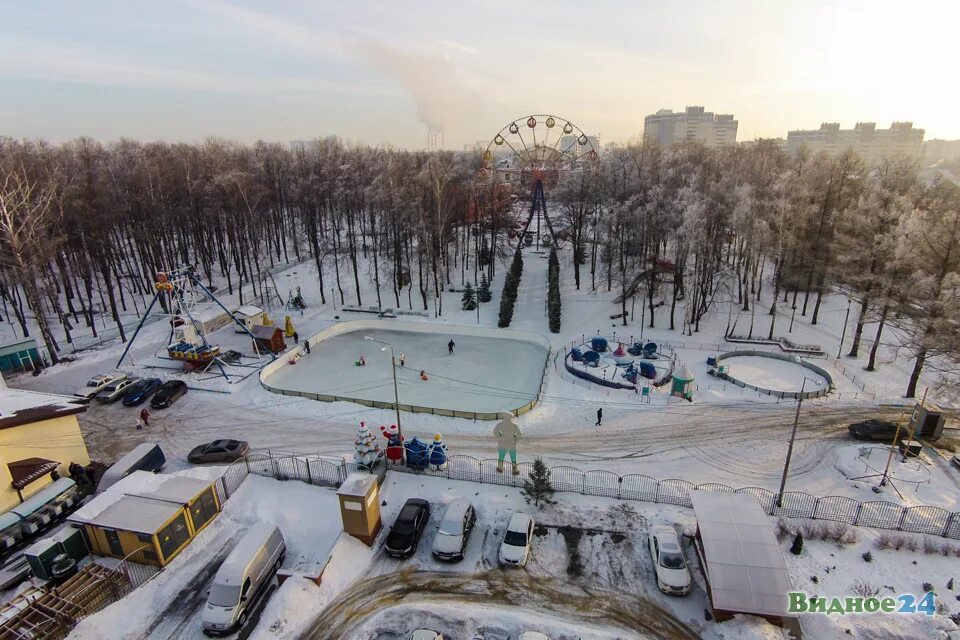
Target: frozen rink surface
484, 374
773, 374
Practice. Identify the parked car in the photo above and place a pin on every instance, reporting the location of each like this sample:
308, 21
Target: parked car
219, 451
515, 548
168, 393
96, 384
242, 578
426, 634
405, 533
144, 457
670, 567
116, 390
141, 390
533, 635
956, 460
454, 530
875, 430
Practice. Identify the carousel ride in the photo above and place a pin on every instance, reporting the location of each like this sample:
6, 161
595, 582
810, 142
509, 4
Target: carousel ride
532, 154
180, 292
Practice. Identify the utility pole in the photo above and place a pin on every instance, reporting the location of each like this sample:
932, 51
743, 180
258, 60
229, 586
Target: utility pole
844, 333
793, 436
393, 370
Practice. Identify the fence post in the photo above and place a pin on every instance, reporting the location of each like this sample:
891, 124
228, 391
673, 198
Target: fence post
309, 473
656, 496
946, 529
903, 515
619, 487
856, 518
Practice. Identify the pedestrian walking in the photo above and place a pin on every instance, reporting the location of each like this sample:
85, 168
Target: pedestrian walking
145, 416
306, 345
296, 337
450, 346
599, 416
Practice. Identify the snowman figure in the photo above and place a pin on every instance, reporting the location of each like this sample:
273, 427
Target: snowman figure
395, 450
438, 453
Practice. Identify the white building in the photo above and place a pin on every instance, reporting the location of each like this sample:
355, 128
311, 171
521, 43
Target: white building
694, 124
935, 150
871, 143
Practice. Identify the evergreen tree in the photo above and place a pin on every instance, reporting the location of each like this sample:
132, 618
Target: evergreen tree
483, 292
366, 449
537, 488
797, 547
553, 292
511, 286
468, 302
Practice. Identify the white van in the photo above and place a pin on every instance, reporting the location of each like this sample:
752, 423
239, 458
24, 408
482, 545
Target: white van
242, 577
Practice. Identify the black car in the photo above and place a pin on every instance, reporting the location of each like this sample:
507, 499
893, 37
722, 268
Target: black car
876, 430
168, 393
405, 533
141, 390
218, 451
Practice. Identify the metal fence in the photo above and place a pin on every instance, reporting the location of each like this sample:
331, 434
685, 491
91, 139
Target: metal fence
312, 469
796, 504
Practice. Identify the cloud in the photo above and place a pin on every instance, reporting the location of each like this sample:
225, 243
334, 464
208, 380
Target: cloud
442, 100
27, 59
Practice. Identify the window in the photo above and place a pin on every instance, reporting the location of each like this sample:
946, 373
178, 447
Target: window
173, 536
145, 537
224, 595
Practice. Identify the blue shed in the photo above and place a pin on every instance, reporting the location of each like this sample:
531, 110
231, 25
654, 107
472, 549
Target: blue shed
19, 356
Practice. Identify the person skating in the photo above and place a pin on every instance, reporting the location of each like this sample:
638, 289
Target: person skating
145, 417
403, 359
450, 346
423, 375
599, 416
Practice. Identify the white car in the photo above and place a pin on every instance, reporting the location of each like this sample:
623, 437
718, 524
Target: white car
116, 389
515, 548
96, 384
673, 576
426, 634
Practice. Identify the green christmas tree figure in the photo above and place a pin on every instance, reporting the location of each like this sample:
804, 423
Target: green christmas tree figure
537, 488
468, 302
366, 450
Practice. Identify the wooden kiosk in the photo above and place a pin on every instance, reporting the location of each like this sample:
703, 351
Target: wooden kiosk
360, 506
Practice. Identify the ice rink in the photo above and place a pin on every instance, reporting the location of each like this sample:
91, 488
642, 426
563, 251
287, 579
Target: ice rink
775, 375
484, 374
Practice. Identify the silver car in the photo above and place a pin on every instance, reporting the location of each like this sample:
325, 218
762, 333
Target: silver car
454, 530
116, 389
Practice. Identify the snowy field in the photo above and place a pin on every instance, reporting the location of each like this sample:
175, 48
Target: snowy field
773, 374
483, 374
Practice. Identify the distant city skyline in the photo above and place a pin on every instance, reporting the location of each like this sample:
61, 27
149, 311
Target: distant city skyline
385, 73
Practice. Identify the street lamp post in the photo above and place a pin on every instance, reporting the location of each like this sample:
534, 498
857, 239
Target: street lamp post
793, 436
393, 370
843, 334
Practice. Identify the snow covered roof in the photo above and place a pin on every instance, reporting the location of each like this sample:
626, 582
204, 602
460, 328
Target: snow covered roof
249, 310
19, 407
744, 563
357, 485
683, 373
133, 513
171, 491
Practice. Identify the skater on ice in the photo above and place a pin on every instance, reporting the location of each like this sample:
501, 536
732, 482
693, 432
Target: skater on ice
403, 360
450, 346
361, 362
423, 375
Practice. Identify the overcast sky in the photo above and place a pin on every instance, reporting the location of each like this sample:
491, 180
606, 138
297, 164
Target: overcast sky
381, 72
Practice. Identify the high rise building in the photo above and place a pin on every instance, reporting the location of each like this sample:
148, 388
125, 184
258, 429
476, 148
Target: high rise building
693, 124
871, 143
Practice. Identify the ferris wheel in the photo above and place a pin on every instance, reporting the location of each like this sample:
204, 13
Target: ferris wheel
535, 152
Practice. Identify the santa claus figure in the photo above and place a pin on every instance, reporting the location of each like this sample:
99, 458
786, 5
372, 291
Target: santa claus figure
395, 452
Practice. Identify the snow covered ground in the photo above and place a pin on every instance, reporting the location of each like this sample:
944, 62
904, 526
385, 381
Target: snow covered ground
483, 374
774, 374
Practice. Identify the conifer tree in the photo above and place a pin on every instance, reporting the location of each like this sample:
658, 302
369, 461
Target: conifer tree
468, 302
483, 292
537, 488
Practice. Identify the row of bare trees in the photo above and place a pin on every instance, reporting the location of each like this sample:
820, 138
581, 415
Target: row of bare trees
684, 231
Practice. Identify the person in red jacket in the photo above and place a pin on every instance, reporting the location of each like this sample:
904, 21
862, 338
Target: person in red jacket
145, 417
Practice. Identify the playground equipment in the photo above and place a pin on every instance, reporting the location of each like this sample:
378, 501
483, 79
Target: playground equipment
418, 455
591, 358
517, 156
682, 385
621, 357
295, 301
598, 343
180, 291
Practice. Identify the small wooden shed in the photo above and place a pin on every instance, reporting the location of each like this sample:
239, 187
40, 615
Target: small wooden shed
147, 517
268, 339
251, 316
360, 506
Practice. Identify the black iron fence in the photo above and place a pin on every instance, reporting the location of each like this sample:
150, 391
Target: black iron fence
309, 468
796, 504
